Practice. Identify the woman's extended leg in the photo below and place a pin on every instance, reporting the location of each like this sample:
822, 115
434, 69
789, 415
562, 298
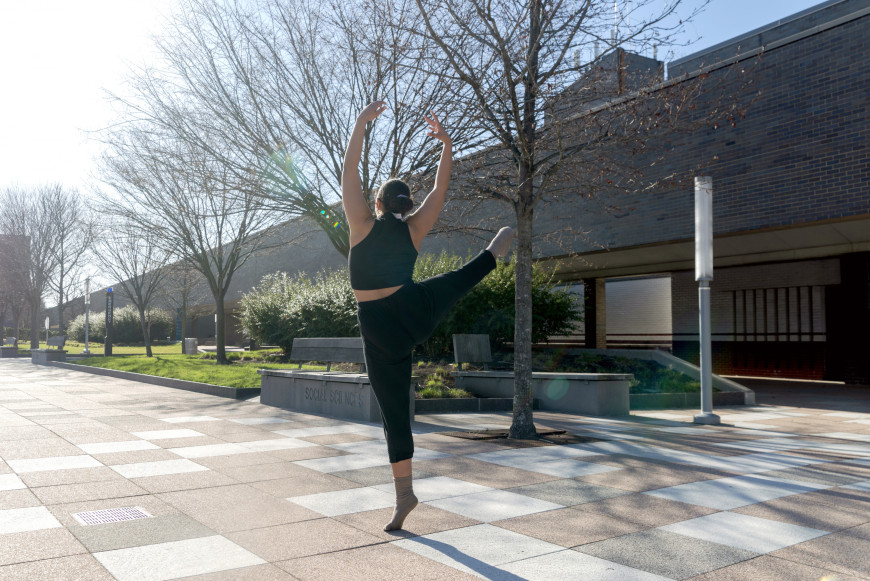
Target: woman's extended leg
445, 289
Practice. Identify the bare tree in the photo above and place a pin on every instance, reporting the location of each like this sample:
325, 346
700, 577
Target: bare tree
73, 235
194, 205
555, 127
13, 280
184, 289
133, 256
29, 213
278, 83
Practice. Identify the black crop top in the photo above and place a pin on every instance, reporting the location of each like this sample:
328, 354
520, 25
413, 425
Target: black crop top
384, 258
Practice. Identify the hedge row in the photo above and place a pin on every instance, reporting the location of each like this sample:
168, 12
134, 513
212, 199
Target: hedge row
283, 307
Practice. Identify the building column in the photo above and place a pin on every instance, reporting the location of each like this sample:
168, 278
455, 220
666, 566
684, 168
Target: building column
847, 332
595, 313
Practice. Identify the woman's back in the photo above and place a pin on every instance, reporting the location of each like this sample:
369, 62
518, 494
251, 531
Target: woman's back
384, 258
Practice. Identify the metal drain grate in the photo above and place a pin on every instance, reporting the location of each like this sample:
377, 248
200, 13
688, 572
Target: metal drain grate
109, 515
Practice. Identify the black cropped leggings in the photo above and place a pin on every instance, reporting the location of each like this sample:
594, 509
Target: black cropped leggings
392, 326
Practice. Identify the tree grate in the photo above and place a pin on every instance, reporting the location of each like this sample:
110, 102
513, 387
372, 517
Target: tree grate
110, 515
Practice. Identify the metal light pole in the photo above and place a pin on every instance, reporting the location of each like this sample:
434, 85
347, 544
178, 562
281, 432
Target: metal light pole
704, 275
87, 351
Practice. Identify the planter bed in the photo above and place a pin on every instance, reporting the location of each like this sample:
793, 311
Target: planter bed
467, 404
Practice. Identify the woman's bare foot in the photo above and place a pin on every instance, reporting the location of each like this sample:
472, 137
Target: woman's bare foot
501, 244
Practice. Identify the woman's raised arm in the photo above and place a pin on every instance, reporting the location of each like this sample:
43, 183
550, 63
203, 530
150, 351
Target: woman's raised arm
422, 221
355, 207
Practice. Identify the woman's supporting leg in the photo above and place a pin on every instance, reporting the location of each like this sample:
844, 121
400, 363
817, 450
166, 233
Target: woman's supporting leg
406, 500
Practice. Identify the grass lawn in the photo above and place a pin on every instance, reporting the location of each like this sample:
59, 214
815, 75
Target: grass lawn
74, 348
192, 368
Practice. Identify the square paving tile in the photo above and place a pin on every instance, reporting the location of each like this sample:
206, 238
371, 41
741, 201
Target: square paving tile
276, 444
345, 501
767, 568
858, 486
817, 474
577, 565
483, 473
808, 510
189, 419
340, 463
303, 485
741, 531
37, 545
569, 528
643, 509
667, 554
72, 568
57, 463
372, 563
71, 476
176, 559
157, 468
843, 552
207, 451
111, 447
728, 493
302, 539
266, 572
236, 508
11, 482
19, 520
568, 492
21, 498
423, 520
437, 487
139, 532
478, 549
493, 505
260, 421
184, 481
376, 475
66, 493
168, 434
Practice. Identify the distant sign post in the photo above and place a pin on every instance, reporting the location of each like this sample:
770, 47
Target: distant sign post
47, 322
110, 320
87, 351
704, 275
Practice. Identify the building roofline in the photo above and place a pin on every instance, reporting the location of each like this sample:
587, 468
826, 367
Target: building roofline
794, 24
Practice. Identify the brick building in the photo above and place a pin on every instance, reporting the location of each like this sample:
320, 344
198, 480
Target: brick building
791, 291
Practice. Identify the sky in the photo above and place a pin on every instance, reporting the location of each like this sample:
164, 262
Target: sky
58, 57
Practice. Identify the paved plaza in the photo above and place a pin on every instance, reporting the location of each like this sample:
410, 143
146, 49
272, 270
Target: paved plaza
103, 478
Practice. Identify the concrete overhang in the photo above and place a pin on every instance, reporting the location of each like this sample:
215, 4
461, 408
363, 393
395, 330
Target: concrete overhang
798, 242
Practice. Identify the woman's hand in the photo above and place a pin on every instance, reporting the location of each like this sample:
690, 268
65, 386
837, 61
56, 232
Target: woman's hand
372, 111
435, 129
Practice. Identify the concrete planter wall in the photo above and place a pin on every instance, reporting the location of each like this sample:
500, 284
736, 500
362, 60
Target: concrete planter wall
44, 356
594, 394
332, 393
8, 351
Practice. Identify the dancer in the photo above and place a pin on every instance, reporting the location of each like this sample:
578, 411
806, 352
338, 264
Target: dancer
395, 313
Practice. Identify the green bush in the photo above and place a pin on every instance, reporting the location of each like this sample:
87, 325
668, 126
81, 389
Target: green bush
282, 308
489, 307
127, 328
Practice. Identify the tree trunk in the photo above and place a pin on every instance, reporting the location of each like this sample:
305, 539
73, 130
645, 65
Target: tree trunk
34, 325
60, 303
146, 336
522, 425
220, 335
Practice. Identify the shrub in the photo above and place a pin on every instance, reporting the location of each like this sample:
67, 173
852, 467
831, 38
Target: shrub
282, 308
127, 328
489, 307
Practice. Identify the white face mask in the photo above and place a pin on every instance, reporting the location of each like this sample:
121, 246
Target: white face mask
398, 216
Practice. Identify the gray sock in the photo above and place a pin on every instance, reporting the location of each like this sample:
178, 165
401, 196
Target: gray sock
405, 502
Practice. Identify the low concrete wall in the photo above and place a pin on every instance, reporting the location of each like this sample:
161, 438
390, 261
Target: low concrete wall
8, 351
44, 356
331, 393
594, 394
207, 388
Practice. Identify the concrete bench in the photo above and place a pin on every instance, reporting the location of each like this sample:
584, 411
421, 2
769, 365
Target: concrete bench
331, 393
9, 348
595, 394
42, 356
